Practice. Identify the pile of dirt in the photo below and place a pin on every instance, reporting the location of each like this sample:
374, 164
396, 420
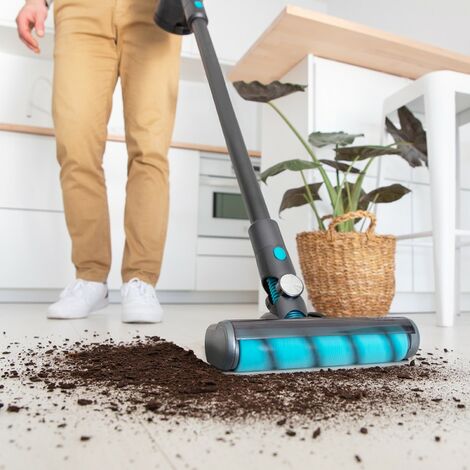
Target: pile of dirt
156, 377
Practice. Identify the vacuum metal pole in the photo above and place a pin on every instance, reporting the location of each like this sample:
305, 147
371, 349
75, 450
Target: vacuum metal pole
274, 263
264, 232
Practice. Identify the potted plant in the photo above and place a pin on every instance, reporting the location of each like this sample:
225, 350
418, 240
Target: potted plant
348, 271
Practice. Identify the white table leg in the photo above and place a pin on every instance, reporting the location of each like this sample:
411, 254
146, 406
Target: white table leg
441, 122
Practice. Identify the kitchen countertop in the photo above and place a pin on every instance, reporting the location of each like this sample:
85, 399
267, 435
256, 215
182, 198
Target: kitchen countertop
49, 132
297, 32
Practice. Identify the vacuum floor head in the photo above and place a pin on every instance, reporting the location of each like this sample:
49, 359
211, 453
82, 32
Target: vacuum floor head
264, 345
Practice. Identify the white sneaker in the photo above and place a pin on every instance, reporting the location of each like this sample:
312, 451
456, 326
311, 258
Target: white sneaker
78, 299
140, 303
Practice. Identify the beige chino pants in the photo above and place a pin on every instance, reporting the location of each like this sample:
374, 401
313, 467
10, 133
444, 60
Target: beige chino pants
97, 41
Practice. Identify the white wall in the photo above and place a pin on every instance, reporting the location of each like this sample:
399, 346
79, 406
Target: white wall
235, 25
437, 22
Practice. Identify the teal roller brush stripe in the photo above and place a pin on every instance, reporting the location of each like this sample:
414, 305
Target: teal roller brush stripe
334, 350
257, 355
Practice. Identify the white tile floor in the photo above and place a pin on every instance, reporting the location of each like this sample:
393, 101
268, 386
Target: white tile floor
128, 443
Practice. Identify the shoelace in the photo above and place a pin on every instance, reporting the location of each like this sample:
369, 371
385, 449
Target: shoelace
140, 288
73, 288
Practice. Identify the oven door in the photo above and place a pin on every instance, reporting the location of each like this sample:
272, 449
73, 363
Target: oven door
221, 209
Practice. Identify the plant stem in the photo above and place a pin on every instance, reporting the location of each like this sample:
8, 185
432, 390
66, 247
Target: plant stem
311, 201
340, 209
360, 180
331, 190
338, 184
364, 221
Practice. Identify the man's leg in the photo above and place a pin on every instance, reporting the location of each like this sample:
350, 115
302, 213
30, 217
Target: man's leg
149, 70
85, 73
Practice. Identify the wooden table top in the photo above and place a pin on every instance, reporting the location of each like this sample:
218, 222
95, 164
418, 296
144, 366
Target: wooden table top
297, 32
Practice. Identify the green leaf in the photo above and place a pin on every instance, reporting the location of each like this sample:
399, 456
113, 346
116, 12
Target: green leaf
291, 165
257, 91
386, 194
363, 152
322, 139
411, 138
344, 167
412, 154
297, 197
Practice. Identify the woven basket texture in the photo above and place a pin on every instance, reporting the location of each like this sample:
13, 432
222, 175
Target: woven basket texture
348, 274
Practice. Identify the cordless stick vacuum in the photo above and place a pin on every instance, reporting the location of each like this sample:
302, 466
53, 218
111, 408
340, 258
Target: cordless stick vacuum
287, 337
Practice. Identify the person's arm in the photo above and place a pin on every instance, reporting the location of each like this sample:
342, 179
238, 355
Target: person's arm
32, 16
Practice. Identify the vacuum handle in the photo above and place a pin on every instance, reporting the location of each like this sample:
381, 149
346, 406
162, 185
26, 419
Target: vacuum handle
176, 16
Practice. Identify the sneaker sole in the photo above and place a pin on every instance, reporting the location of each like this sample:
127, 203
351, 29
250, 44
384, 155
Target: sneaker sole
77, 316
141, 317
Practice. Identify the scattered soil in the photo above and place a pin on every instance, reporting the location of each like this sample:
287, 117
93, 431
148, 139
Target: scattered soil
153, 376
13, 409
154, 379
83, 401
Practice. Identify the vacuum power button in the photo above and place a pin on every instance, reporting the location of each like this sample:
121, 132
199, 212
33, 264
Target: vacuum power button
279, 253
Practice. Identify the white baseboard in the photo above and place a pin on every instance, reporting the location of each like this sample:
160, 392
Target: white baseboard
423, 302
404, 302
165, 297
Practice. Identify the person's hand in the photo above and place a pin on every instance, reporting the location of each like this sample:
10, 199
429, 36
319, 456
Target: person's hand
32, 16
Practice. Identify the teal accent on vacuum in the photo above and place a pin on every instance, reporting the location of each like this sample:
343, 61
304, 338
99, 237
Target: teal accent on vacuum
273, 293
280, 253
258, 355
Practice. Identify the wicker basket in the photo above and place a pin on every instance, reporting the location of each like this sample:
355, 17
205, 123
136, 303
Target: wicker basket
348, 274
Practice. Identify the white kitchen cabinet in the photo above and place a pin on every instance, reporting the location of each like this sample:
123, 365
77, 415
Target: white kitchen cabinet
179, 263
29, 176
213, 246
34, 243
34, 250
226, 273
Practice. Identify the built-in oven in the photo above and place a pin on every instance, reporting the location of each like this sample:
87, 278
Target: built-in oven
221, 209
